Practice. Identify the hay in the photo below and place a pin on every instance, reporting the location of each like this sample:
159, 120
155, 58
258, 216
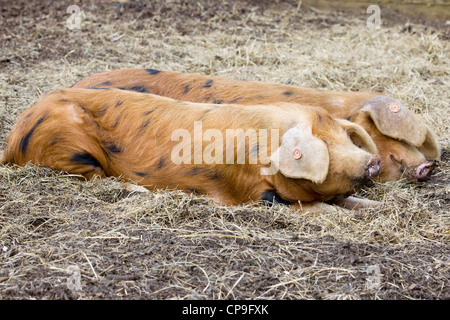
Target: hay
65, 238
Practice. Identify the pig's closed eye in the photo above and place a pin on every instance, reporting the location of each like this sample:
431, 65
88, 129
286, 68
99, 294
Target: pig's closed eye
356, 140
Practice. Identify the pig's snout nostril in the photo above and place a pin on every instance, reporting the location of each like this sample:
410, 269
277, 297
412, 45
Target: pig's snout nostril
373, 167
424, 169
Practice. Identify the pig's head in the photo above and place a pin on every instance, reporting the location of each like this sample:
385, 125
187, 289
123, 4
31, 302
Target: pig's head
407, 146
325, 156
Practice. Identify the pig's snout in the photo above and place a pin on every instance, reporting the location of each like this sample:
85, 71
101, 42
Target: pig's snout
373, 167
423, 170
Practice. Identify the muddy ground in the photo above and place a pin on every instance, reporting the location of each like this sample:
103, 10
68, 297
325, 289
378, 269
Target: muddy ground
61, 238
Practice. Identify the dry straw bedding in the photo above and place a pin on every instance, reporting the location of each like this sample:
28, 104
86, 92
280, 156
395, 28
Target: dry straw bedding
65, 238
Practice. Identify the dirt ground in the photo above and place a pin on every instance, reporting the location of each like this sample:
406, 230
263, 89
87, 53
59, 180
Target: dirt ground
61, 238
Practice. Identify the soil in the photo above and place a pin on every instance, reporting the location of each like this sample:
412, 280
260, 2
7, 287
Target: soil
63, 238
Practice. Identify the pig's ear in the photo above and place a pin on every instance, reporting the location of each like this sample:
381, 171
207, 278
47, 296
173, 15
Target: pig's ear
430, 148
301, 155
396, 121
357, 133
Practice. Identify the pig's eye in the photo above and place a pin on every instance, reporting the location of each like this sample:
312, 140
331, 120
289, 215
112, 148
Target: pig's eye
356, 140
400, 163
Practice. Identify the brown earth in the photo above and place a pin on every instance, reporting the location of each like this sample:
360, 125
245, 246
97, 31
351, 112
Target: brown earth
62, 238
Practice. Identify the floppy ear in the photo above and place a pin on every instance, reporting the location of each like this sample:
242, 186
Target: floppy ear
431, 148
356, 131
301, 155
396, 121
